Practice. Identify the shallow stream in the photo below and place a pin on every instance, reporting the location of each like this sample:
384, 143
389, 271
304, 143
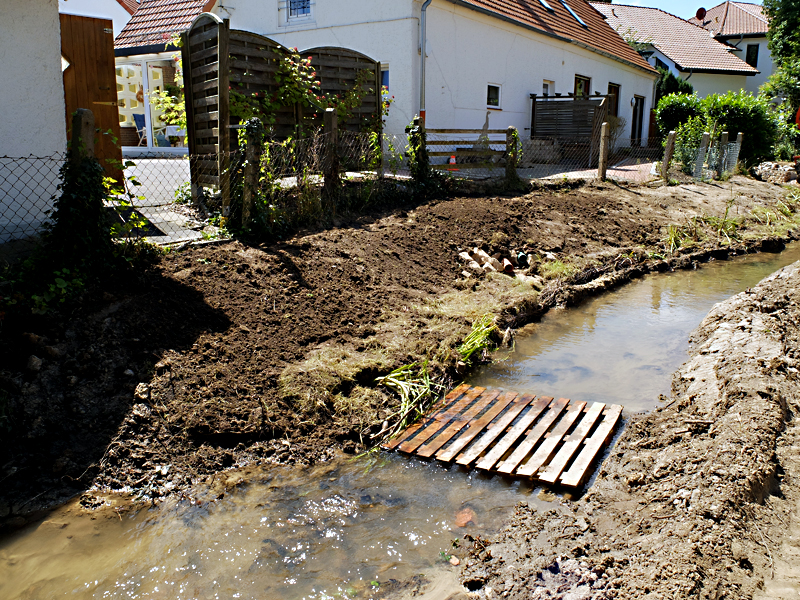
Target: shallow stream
349, 527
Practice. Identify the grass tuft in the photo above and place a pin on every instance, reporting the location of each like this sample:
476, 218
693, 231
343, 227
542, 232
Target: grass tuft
479, 339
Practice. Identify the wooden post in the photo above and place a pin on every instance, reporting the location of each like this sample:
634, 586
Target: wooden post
254, 130
82, 142
224, 156
331, 158
722, 153
669, 152
512, 154
602, 162
701, 156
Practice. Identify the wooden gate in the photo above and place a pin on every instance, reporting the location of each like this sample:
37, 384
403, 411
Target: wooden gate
576, 121
87, 44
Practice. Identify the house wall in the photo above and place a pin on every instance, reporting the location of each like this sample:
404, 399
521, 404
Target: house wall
766, 66
33, 121
709, 83
102, 9
468, 50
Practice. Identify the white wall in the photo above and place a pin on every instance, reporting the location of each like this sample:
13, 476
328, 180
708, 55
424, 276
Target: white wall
101, 9
765, 63
710, 83
32, 97
468, 50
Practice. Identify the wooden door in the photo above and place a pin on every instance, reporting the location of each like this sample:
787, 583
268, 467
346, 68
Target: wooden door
87, 44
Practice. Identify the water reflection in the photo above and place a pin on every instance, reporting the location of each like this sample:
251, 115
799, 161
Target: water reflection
623, 347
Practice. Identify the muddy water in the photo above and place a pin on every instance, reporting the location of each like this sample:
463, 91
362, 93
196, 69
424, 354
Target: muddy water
342, 529
623, 346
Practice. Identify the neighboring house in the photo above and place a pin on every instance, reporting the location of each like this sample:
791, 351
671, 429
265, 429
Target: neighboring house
32, 121
743, 26
484, 58
119, 11
145, 63
684, 49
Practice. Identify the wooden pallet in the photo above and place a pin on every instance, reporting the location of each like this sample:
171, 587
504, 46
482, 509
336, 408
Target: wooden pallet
551, 441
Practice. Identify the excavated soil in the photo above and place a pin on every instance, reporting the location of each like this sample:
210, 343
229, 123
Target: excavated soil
226, 355
699, 498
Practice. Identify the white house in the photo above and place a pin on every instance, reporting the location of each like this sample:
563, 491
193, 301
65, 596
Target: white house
33, 115
118, 11
743, 27
483, 59
684, 49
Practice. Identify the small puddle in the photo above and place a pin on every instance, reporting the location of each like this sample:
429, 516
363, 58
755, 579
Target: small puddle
340, 528
623, 347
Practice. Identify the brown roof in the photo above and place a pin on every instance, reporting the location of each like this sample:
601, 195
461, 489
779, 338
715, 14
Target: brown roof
734, 18
596, 35
690, 47
129, 5
156, 20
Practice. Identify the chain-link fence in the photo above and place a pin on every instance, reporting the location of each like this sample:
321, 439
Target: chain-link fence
709, 158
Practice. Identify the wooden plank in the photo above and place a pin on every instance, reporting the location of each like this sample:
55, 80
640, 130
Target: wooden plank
208, 179
440, 419
204, 54
494, 431
545, 451
205, 70
211, 84
207, 101
448, 399
459, 166
462, 153
196, 37
210, 149
457, 424
572, 444
251, 52
475, 131
206, 133
600, 438
510, 438
533, 437
206, 117
261, 66
475, 428
465, 142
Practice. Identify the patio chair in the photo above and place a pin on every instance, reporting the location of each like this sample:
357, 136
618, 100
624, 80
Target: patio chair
141, 129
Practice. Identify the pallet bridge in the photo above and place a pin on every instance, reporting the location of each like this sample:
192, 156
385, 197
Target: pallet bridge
551, 441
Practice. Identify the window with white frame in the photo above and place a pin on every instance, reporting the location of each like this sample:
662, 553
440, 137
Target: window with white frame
493, 93
299, 9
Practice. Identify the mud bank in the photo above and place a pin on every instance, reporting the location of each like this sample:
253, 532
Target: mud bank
697, 497
230, 355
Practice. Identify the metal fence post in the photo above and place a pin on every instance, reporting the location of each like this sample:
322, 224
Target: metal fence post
512, 153
254, 131
669, 152
701, 156
722, 153
82, 143
331, 160
602, 161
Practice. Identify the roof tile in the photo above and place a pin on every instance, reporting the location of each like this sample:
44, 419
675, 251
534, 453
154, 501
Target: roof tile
734, 18
689, 46
156, 20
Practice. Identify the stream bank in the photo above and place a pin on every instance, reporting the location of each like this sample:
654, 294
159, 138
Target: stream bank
698, 498
233, 355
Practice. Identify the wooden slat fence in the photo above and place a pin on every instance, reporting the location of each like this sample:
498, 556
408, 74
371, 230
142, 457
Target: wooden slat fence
469, 148
575, 122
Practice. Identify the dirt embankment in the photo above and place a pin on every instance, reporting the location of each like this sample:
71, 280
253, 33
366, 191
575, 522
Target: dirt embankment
696, 497
226, 355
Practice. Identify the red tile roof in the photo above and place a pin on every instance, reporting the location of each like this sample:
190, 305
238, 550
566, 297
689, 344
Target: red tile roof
690, 47
129, 5
156, 20
558, 22
734, 18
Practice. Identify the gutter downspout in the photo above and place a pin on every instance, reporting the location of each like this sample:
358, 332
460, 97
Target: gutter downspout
423, 33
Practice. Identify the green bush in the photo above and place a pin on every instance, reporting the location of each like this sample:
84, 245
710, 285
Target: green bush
675, 109
688, 136
753, 116
669, 84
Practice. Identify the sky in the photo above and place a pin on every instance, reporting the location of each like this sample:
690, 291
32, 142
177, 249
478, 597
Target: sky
682, 8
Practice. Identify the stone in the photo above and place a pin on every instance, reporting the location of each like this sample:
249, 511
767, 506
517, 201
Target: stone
142, 392
454, 561
34, 363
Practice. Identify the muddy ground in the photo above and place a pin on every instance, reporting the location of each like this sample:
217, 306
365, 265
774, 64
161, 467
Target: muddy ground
226, 355
698, 499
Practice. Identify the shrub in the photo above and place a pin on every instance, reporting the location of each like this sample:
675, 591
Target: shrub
669, 84
675, 109
688, 136
740, 111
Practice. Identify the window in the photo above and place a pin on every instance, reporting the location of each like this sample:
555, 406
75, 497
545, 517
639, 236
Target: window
582, 86
752, 55
493, 96
299, 8
385, 78
548, 88
613, 99
661, 64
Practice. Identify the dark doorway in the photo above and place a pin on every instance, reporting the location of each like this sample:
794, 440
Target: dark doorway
638, 118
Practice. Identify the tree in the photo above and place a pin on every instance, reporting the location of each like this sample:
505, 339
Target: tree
784, 29
669, 84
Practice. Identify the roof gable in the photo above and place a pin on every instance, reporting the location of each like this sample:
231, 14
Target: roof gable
156, 20
734, 18
690, 47
562, 21
129, 5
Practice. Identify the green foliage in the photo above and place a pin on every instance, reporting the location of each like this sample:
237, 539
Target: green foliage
688, 137
634, 39
65, 286
670, 84
784, 86
675, 109
413, 384
784, 28
479, 339
740, 111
